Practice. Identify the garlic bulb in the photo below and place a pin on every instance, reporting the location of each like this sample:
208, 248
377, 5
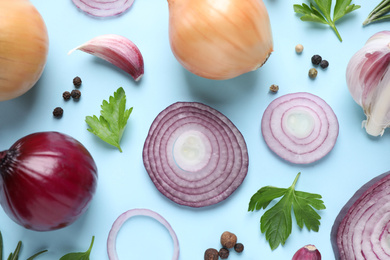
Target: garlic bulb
368, 80
220, 39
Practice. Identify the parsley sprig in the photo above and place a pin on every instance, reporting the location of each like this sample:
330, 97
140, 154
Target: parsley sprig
276, 222
320, 12
112, 121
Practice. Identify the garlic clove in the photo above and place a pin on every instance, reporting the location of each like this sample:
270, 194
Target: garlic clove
117, 50
368, 80
308, 252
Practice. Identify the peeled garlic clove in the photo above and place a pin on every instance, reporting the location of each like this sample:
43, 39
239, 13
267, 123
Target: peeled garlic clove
308, 252
117, 50
220, 39
368, 80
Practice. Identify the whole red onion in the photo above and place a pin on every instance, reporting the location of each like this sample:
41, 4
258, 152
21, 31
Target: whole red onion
47, 180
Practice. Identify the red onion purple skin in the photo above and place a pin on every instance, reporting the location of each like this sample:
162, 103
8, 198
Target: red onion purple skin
344, 211
308, 252
47, 180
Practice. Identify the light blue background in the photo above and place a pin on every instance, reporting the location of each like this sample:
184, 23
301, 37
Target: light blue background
123, 182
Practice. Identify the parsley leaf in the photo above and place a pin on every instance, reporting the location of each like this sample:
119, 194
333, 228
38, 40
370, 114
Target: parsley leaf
79, 255
276, 222
113, 119
320, 12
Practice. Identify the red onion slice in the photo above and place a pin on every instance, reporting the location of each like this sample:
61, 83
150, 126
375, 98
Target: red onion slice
362, 228
103, 8
116, 226
195, 155
300, 127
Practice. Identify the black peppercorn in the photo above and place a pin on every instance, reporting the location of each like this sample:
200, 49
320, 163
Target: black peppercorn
239, 247
66, 95
316, 59
75, 94
77, 82
211, 254
324, 64
223, 253
57, 112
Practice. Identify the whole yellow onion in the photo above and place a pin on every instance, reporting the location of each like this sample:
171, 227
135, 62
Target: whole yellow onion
24, 47
220, 39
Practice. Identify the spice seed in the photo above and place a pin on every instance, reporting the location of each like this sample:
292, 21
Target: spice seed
316, 59
58, 112
228, 239
299, 48
274, 88
66, 95
211, 254
223, 253
77, 82
76, 94
313, 73
239, 247
324, 64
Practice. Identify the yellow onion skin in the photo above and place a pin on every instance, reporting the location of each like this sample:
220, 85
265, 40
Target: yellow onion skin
220, 39
24, 47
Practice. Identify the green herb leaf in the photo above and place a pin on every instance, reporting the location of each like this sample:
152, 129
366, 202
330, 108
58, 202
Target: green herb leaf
15, 254
379, 13
37, 254
112, 121
276, 222
79, 255
320, 12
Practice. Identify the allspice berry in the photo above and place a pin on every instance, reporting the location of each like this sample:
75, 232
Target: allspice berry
239, 247
66, 95
228, 239
77, 82
76, 94
211, 254
223, 253
57, 112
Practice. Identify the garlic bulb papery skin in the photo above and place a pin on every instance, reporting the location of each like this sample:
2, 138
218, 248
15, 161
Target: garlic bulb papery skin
368, 80
220, 39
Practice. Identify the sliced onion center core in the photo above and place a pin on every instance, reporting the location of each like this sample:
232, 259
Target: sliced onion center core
192, 151
299, 123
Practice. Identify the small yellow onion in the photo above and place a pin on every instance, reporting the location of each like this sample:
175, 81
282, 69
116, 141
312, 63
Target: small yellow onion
220, 39
24, 46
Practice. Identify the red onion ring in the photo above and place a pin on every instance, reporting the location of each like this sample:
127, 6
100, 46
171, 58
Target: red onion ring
220, 158
116, 226
103, 8
300, 127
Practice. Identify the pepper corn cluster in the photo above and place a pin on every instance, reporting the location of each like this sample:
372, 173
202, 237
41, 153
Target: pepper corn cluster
228, 241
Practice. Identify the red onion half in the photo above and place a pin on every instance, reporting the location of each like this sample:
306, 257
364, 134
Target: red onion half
116, 226
195, 155
300, 127
47, 180
103, 8
362, 228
